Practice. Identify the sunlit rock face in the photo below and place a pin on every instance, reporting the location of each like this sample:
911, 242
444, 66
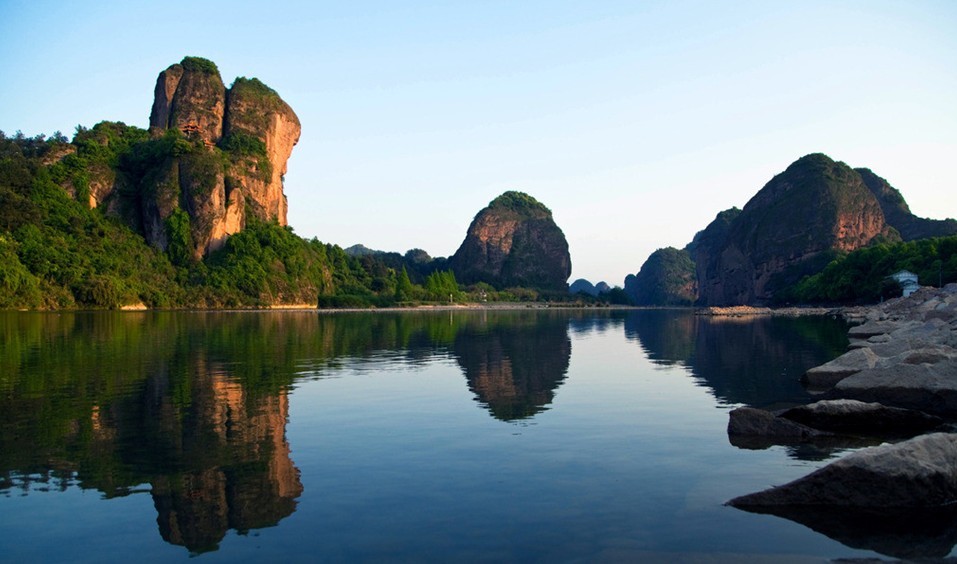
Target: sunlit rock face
514, 241
237, 144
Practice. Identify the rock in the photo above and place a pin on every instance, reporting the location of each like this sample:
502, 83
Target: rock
790, 228
872, 329
514, 242
254, 109
898, 213
249, 127
751, 422
918, 473
190, 95
931, 388
851, 416
824, 377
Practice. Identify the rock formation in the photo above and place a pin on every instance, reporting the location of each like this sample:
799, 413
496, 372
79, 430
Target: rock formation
229, 161
790, 228
666, 278
514, 242
915, 473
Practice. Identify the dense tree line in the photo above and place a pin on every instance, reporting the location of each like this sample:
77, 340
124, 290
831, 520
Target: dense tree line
863, 275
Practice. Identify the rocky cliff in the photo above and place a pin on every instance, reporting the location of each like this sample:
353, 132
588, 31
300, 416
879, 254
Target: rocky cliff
792, 227
228, 155
514, 242
898, 214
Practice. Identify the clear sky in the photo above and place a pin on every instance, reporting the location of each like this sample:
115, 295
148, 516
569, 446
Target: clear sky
635, 122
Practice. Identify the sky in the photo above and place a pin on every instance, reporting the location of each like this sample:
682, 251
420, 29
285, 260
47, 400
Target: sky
635, 122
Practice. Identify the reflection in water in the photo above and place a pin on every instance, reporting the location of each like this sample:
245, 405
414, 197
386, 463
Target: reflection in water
515, 363
901, 533
755, 361
194, 406
112, 402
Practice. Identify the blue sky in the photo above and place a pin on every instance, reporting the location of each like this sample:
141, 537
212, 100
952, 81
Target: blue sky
635, 122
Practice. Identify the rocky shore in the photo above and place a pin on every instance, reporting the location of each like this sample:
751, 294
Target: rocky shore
896, 385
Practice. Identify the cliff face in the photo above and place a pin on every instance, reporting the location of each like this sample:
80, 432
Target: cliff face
898, 214
514, 242
230, 161
256, 112
791, 227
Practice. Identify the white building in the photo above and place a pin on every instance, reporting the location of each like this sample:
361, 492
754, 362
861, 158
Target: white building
907, 280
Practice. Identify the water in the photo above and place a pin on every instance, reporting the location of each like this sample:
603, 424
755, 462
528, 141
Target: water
448, 436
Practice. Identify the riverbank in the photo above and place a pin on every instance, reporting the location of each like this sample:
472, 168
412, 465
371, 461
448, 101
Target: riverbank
897, 385
748, 311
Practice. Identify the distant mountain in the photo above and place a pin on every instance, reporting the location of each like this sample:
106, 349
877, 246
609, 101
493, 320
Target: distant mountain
514, 241
814, 211
666, 278
602, 287
582, 286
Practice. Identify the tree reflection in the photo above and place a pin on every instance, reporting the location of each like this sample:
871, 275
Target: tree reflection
195, 404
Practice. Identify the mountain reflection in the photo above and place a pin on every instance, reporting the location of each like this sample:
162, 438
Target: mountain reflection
515, 362
113, 402
195, 404
755, 361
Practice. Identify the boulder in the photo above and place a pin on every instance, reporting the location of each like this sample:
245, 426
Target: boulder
852, 416
824, 377
931, 388
918, 473
751, 422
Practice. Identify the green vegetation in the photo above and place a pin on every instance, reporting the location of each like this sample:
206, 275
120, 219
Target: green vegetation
252, 87
59, 253
862, 276
249, 150
519, 202
199, 64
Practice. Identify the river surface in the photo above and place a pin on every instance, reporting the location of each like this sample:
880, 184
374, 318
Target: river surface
494, 436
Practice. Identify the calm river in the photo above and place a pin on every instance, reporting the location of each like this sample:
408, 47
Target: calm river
531, 436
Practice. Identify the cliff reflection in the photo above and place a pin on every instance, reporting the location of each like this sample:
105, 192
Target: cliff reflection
112, 402
515, 362
195, 405
756, 361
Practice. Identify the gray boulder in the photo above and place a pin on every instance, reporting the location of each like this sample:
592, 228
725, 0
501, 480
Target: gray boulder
918, 473
751, 422
928, 387
824, 377
852, 416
